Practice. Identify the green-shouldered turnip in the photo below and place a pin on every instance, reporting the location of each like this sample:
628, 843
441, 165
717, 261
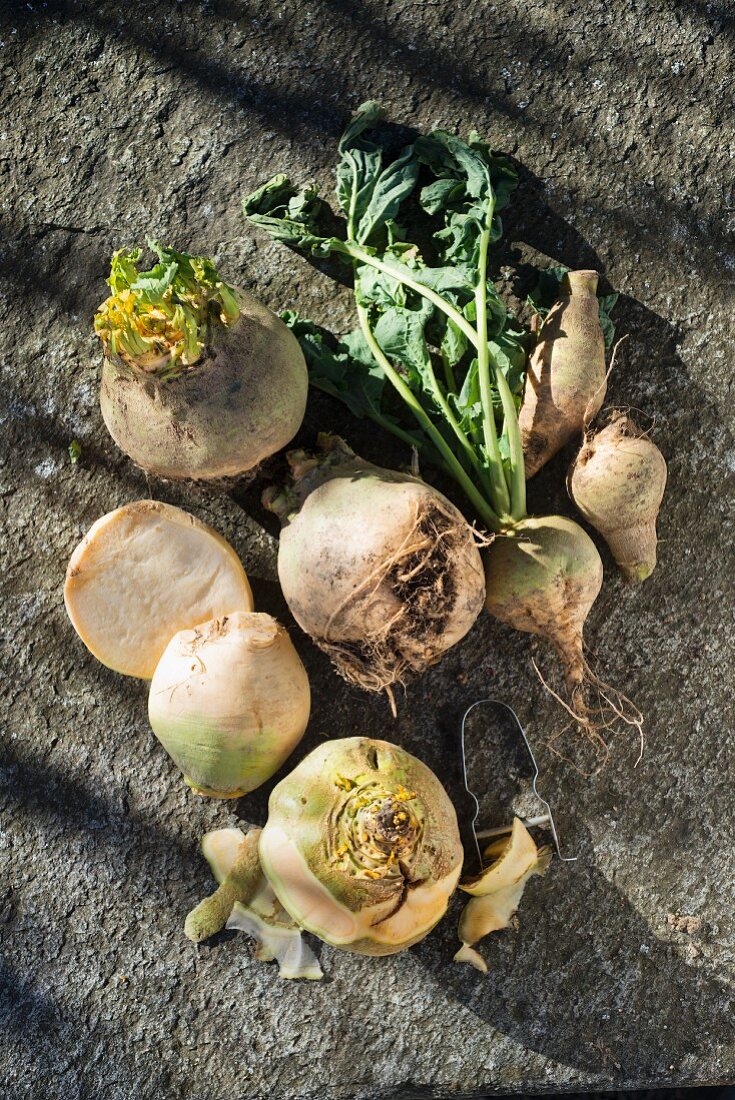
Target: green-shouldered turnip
362, 846
141, 574
617, 481
199, 380
566, 381
229, 701
376, 566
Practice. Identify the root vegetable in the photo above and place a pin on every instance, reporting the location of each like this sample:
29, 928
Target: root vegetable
141, 574
543, 577
378, 567
566, 381
362, 847
617, 481
229, 701
198, 380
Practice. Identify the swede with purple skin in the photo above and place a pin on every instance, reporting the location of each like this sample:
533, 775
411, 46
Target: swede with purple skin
379, 568
566, 381
617, 481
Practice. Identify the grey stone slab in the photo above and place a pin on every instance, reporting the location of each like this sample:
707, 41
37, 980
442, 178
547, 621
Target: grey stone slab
121, 121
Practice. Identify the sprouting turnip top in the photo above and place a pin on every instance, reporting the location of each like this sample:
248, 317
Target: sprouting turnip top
443, 339
198, 380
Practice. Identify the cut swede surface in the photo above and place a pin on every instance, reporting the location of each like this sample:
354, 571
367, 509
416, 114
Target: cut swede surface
229, 701
377, 566
141, 574
617, 481
199, 380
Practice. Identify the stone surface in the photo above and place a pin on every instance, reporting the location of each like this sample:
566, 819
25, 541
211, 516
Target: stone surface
124, 120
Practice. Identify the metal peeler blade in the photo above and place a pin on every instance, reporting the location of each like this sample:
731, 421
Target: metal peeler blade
546, 819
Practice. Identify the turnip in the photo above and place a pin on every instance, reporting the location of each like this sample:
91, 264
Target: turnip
141, 574
566, 381
198, 380
362, 846
229, 701
378, 567
617, 481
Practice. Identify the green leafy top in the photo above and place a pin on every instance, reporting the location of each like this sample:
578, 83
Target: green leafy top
430, 320
157, 320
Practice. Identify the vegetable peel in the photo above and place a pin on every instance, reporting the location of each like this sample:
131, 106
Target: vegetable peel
245, 901
497, 892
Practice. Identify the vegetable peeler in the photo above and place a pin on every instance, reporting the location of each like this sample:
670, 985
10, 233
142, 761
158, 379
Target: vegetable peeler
473, 835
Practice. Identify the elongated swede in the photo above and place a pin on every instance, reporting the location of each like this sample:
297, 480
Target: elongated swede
199, 380
229, 701
617, 481
378, 567
566, 381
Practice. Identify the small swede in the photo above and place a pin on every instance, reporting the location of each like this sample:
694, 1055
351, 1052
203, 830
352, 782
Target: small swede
229, 701
566, 381
543, 576
379, 568
617, 481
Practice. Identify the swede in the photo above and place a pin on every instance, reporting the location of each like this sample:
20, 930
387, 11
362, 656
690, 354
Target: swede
199, 380
566, 381
617, 481
376, 566
229, 701
362, 846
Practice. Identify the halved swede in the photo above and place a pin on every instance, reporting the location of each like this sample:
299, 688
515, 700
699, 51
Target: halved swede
141, 574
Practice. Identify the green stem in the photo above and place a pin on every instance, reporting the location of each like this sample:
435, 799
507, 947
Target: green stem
483, 509
469, 451
515, 447
449, 374
400, 274
501, 496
